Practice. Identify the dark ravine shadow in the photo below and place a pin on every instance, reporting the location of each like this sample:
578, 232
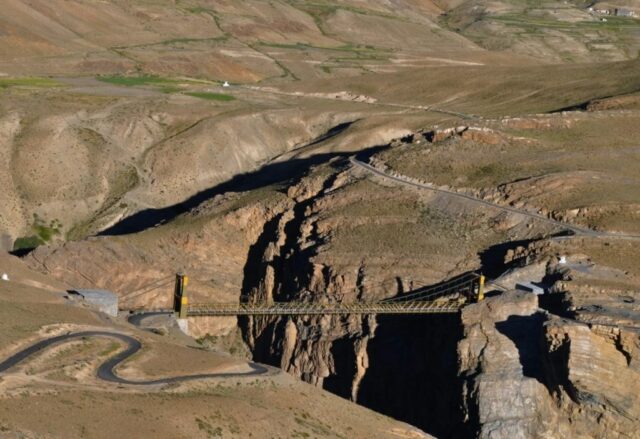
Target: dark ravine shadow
333, 132
255, 268
344, 359
21, 252
557, 304
492, 258
526, 333
584, 106
463, 283
270, 174
412, 374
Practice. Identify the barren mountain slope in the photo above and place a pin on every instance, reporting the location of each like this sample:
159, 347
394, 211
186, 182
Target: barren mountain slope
63, 378
297, 39
75, 163
245, 41
362, 150
156, 130
341, 233
493, 90
549, 30
142, 149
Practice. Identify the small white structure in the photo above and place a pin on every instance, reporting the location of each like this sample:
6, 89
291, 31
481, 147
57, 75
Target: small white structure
530, 288
5, 277
562, 260
226, 84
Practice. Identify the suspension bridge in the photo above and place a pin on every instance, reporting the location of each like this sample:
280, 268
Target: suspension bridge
446, 297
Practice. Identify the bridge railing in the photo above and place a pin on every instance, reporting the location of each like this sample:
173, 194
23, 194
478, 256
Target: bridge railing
314, 308
468, 284
447, 296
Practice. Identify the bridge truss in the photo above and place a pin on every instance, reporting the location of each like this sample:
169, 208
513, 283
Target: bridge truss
445, 297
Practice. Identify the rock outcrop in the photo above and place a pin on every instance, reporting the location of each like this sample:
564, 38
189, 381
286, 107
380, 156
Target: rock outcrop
529, 374
500, 363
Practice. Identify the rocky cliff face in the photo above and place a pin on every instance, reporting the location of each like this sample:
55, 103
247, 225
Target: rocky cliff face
346, 238
530, 374
500, 363
281, 266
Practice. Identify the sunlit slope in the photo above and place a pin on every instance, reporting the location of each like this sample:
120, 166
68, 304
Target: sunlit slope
241, 41
496, 90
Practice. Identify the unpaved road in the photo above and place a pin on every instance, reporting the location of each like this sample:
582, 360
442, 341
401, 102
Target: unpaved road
333, 97
582, 231
106, 370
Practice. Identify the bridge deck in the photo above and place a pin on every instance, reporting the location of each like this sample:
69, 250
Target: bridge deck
298, 308
444, 298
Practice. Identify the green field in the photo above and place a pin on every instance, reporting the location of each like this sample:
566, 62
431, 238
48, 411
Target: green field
137, 81
211, 96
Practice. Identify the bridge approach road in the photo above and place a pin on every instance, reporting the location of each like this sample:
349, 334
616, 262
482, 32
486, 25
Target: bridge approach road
106, 369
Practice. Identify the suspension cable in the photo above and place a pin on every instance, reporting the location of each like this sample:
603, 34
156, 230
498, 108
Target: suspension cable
148, 288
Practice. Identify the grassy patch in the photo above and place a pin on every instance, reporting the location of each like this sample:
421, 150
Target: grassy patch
199, 10
537, 23
27, 242
43, 233
211, 96
165, 85
137, 81
168, 85
28, 82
